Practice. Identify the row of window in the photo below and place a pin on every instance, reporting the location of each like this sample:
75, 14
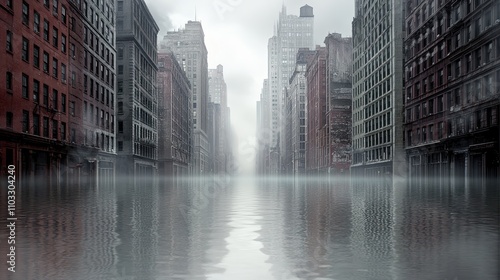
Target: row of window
95, 90
49, 99
100, 118
99, 140
99, 23
92, 40
36, 15
39, 125
468, 93
99, 69
454, 127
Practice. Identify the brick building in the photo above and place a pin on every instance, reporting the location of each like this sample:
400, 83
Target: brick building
339, 95
452, 74
57, 53
35, 116
317, 129
174, 117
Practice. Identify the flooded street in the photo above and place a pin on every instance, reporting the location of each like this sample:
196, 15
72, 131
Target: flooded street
251, 228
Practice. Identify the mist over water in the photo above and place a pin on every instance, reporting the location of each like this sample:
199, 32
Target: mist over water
257, 228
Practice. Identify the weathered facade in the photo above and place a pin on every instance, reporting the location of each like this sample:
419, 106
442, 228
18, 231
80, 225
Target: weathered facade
452, 96
174, 118
45, 127
137, 96
339, 101
317, 129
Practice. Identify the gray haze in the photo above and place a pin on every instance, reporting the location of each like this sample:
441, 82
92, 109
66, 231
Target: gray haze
236, 34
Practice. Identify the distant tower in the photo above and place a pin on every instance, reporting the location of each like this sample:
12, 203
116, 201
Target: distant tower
292, 32
188, 45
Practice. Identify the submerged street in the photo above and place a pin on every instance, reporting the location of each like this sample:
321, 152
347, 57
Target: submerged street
251, 228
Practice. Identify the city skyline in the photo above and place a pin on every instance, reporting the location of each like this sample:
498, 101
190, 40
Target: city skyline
245, 56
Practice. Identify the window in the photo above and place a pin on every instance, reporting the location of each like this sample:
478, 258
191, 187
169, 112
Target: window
36, 22
25, 50
120, 127
63, 14
72, 108
120, 107
36, 124
54, 129
9, 41
45, 95
36, 91
63, 131
63, 103
478, 58
55, 37
55, 6
9, 119
120, 145
46, 3
54, 67
9, 4
73, 79
45, 30
25, 86
8, 80
26, 121
36, 56
54, 99
63, 43
26, 13
45, 127
63, 72
72, 50
45, 62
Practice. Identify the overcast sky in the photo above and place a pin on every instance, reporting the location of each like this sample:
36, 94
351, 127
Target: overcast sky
236, 35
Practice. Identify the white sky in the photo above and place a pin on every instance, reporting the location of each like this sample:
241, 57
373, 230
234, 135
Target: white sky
236, 35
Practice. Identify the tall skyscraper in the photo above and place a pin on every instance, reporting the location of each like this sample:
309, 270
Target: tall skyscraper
452, 96
189, 48
220, 141
137, 95
377, 88
291, 33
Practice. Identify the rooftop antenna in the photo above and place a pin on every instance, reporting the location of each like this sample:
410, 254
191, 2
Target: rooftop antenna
194, 12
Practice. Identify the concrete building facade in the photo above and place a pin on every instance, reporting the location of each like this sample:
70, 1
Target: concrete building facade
137, 96
188, 45
92, 49
297, 121
377, 100
174, 118
452, 96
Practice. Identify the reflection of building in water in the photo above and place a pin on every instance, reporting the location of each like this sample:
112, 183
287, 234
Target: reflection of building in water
452, 95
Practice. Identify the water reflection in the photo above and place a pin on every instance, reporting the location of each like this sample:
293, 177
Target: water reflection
251, 228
